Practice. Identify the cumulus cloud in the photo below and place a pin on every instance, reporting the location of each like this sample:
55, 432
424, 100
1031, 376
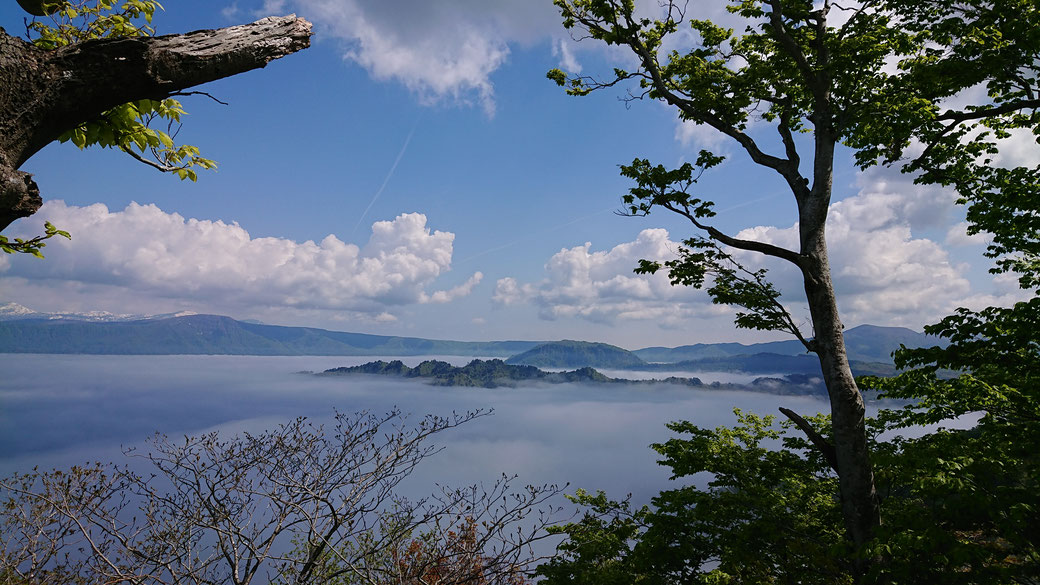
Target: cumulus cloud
600, 286
449, 50
699, 136
958, 235
884, 273
446, 296
145, 251
1020, 148
444, 50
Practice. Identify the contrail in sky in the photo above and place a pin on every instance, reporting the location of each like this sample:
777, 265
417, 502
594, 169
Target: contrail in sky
386, 180
746, 203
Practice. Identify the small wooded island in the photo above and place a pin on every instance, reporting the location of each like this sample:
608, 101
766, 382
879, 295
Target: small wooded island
477, 373
496, 373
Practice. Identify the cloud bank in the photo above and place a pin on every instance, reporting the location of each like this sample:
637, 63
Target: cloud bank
883, 273
600, 286
145, 251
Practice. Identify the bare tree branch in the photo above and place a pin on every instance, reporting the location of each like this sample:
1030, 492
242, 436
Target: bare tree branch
823, 445
297, 504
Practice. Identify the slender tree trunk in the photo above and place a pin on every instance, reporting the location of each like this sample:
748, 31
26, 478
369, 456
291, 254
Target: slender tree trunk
45, 93
860, 508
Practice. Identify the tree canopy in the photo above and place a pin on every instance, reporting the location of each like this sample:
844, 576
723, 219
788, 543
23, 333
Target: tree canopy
931, 87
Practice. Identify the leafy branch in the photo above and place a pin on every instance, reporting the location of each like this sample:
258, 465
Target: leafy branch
80, 21
32, 245
128, 127
733, 284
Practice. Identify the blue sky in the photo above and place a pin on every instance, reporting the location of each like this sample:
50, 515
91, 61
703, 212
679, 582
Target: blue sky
414, 173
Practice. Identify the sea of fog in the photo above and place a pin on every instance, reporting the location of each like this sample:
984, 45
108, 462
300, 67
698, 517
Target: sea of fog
61, 410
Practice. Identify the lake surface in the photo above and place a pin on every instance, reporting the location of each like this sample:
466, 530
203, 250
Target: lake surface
60, 410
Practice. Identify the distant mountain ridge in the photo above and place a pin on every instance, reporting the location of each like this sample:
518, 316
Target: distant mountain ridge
865, 343
214, 334
25, 331
16, 312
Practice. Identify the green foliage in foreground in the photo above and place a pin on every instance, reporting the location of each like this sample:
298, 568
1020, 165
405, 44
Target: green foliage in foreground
32, 245
960, 506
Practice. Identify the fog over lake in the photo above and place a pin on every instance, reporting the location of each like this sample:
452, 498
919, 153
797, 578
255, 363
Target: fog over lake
60, 410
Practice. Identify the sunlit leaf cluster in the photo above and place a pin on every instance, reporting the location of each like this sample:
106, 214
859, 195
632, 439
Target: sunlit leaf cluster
33, 246
129, 128
145, 129
83, 20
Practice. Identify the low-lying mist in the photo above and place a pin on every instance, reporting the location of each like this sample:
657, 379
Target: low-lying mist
60, 410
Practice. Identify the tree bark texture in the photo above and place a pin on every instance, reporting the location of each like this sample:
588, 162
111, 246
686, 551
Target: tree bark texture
861, 510
45, 93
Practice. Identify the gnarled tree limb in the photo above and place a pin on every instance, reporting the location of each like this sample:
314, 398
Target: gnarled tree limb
45, 93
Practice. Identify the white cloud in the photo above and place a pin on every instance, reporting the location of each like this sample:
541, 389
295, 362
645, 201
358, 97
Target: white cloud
1019, 149
444, 50
957, 235
562, 48
271, 7
230, 11
699, 136
446, 296
448, 50
266, 8
145, 252
883, 273
600, 286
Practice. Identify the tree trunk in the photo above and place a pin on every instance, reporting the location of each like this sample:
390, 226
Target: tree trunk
860, 508
45, 93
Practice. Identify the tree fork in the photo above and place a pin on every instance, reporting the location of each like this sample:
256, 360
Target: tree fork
45, 93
